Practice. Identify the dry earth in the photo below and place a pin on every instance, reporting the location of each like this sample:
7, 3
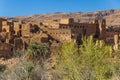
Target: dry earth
112, 16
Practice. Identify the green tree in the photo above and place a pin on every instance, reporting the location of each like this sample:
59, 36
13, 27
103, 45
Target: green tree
93, 62
67, 62
95, 59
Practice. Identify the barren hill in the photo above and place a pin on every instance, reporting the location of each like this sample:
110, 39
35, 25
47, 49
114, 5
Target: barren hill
112, 16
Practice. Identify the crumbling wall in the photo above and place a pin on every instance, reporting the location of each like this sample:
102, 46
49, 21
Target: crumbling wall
6, 50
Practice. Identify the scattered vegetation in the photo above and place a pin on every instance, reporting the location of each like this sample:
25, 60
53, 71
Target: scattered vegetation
90, 61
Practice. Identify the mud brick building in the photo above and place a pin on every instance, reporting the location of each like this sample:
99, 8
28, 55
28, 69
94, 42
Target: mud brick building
8, 26
67, 29
28, 29
61, 35
6, 37
1, 20
18, 35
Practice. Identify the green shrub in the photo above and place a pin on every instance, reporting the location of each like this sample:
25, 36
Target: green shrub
67, 61
92, 62
37, 52
2, 67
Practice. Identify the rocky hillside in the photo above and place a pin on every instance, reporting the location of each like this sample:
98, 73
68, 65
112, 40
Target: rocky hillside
112, 16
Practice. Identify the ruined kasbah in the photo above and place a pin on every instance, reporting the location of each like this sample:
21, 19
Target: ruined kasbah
18, 35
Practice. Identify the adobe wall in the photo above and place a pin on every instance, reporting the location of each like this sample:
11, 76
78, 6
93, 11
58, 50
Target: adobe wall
6, 50
80, 28
66, 21
1, 20
4, 37
112, 37
102, 27
0, 25
90, 29
26, 29
63, 35
29, 29
51, 24
9, 26
17, 27
18, 43
26, 42
40, 38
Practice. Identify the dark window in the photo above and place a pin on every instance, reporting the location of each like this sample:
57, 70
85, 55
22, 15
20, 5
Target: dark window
20, 33
83, 27
11, 49
20, 27
84, 32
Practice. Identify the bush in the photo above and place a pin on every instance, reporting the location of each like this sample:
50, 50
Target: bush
2, 67
89, 62
20, 71
67, 62
37, 52
32, 65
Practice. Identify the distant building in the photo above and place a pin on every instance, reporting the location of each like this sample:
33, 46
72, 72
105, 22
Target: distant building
17, 35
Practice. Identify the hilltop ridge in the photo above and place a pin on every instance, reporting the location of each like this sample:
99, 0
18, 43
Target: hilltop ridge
112, 16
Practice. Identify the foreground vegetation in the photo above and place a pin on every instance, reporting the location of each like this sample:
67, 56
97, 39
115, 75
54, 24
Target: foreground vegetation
90, 61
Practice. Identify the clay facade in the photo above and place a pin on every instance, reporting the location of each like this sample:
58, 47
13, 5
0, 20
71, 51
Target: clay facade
1, 24
6, 50
61, 35
8, 26
77, 29
73, 30
28, 29
68, 29
20, 35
